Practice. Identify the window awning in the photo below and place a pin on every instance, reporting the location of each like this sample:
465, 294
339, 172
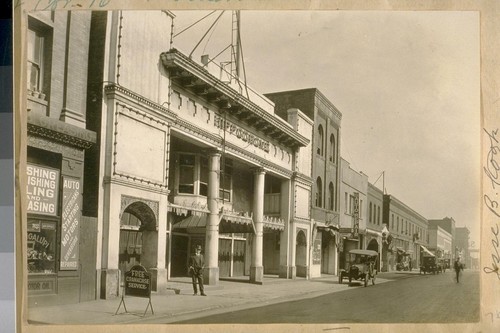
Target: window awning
228, 223
400, 249
427, 253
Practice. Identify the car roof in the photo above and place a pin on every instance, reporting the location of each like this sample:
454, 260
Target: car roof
364, 252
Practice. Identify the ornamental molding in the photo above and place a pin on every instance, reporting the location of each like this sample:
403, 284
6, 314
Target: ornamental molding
60, 132
56, 147
126, 201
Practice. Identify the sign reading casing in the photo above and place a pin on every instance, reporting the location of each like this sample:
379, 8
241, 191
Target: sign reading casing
241, 134
70, 223
42, 189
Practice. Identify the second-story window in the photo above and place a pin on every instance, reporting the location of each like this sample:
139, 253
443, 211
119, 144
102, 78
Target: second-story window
378, 215
319, 149
186, 173
332, 148
319, 192
370, 213
226, 181
331, 196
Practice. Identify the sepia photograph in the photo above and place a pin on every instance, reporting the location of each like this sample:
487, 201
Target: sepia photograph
185, 168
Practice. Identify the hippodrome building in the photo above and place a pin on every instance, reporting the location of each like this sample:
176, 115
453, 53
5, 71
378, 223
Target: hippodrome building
183, 159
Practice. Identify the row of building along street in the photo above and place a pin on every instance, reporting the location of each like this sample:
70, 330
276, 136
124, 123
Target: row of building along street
136, 153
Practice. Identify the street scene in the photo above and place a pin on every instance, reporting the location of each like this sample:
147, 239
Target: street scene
408, 297
162, 188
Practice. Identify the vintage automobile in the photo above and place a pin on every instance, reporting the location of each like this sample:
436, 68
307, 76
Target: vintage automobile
361, 266
429, 265
441, 265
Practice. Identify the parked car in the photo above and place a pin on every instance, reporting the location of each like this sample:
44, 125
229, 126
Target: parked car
429, 265
441, 266
361, 266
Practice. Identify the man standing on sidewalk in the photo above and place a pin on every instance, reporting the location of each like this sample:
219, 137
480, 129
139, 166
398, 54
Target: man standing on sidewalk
196, 265
458, 267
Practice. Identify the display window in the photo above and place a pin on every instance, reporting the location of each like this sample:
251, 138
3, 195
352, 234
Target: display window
41, 251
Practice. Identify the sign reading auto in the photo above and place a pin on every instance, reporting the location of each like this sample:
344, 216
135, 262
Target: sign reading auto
42, 190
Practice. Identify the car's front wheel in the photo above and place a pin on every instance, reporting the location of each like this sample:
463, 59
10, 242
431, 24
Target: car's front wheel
366, 280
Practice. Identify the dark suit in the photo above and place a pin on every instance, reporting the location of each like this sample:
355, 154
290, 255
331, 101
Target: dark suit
196, 265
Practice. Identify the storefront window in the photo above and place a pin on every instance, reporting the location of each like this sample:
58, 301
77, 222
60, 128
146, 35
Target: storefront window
41, 247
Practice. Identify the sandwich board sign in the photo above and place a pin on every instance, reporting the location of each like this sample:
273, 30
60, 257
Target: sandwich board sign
137, 284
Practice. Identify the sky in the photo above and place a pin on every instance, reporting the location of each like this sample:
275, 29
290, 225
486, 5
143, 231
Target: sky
407, 85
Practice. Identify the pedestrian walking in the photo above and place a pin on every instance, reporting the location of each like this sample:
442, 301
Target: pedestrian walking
458, 267
196, 265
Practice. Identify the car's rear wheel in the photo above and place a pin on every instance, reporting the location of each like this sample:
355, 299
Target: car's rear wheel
366, 280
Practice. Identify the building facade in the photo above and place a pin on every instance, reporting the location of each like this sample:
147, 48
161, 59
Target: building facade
377, 236
353, 211
462, 242
325, 166
137, 153
440, 242
57, 141
448, 224
409, 231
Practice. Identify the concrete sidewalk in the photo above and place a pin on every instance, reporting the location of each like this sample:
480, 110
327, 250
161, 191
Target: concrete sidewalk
180, 304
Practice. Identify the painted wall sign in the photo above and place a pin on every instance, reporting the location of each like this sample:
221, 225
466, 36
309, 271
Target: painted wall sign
42, 189
70, 221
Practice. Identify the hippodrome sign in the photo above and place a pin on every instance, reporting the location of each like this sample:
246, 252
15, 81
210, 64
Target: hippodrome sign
138, 282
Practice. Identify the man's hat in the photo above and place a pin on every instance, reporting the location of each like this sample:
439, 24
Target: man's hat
198, 247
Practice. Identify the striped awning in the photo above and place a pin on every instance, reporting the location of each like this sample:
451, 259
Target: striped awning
427, 253
228, 223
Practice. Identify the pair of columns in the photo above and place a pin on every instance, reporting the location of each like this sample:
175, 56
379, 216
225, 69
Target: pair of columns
211, 273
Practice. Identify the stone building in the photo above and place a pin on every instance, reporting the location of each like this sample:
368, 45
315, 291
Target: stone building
325, 164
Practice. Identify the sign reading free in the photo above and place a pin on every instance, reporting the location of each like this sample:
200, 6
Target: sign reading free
138, 282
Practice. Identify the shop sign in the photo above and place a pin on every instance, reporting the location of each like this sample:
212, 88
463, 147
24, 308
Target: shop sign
70, 220
355, 216
42, 189
241, 134
138, 282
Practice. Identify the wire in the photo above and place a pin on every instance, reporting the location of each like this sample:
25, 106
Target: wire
216, 20
177, 34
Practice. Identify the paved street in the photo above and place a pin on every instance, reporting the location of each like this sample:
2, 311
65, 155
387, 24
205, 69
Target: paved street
408, 299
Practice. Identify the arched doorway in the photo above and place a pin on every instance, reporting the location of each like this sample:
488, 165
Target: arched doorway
301, 254
373, 245
138, 237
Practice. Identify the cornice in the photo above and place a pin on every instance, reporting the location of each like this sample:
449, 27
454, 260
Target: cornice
174, 58
60, 132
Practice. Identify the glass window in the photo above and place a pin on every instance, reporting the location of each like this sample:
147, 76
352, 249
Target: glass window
331, 196
319, 192
203, 176
226, 181
35, 60
332, 148
41, 250
186, 173
319, 145
370, 213
378, 215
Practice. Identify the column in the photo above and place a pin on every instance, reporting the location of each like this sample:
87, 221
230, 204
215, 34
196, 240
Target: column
256, 267
286, 269
211, 272
76, 65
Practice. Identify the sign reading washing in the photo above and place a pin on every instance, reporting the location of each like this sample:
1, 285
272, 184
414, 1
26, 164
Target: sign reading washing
42, 189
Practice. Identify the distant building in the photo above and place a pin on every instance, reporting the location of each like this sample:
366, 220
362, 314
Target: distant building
474, 259
353, 210
375, 226
462, 244
325, 162
448, 224
409, 231
440, 242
